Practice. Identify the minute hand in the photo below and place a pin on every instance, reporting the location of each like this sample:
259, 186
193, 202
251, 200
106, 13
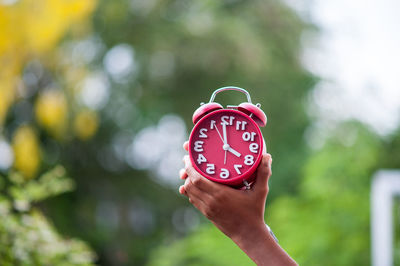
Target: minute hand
224, 132
225, 147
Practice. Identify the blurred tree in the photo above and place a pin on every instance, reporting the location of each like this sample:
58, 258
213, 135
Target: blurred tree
207, 246
141, 60
327, 223
26, 236
158, 57
29, 34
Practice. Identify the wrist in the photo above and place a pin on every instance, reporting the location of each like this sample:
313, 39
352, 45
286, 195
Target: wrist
249, 233
259, 244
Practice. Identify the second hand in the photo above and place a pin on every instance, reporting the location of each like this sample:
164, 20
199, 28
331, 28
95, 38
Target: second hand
215, 124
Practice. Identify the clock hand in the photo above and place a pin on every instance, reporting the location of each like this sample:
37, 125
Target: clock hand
237, 154
215, 124
226, 145
225, 158
224, 132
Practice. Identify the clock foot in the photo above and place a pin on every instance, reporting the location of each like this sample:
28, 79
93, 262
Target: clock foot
246, 184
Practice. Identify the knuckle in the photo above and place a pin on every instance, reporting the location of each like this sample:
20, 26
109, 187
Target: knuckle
188, 186
197, 181
209, 212
189, 169
219, 197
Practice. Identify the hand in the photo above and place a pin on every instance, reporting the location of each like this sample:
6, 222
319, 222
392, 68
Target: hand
239, 214
227, 207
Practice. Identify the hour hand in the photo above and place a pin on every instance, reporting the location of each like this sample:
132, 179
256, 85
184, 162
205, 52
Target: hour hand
237, 154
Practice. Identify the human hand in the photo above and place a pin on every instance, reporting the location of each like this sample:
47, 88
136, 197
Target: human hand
237, 213
233, 211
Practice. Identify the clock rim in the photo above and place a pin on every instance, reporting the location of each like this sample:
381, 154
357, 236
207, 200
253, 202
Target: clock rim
237, 181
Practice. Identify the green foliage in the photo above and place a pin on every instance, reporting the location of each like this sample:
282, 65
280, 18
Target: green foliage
396, 224
183, 50
326, 223
206, 247
26, 236
186, 49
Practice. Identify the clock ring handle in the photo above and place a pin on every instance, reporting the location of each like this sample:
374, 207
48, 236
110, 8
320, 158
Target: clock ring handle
230, 88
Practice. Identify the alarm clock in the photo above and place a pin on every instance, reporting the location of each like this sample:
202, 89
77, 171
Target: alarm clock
226, 144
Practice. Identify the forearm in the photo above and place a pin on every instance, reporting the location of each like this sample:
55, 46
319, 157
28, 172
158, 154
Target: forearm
261, 247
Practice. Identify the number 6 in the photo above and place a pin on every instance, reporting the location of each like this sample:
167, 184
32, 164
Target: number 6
224, 173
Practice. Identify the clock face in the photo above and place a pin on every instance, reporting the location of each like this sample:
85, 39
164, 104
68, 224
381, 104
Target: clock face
226, 146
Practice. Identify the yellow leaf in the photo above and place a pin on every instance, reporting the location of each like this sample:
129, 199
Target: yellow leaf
86, 124
27, 151
51, 112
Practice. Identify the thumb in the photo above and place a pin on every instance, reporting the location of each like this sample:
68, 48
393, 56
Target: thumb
263, 174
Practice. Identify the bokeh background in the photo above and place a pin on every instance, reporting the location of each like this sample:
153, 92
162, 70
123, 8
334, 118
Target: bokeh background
96, 99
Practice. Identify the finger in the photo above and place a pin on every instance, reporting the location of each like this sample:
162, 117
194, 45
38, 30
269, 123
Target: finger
198, 203
263, 174
182, 190
182, 174
196, 196
186, 145
193, 191
198, 180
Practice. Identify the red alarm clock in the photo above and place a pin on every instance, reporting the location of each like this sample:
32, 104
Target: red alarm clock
226, 144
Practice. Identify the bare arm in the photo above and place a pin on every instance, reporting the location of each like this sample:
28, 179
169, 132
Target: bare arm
227, 208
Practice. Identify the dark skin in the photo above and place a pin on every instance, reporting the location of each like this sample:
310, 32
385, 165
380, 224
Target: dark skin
227, 208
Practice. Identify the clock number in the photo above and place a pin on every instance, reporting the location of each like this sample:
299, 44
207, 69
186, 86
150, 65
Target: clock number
248, 159
248, 136
224, 173
201, 159
202, 134
237, 167
198, 146
253, 147
210, 168
225, 118
212, 124
241, 125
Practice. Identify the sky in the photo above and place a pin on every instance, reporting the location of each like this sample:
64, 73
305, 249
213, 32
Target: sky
356, 53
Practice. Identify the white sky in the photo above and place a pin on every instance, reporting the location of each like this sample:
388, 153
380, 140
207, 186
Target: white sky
357, 55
